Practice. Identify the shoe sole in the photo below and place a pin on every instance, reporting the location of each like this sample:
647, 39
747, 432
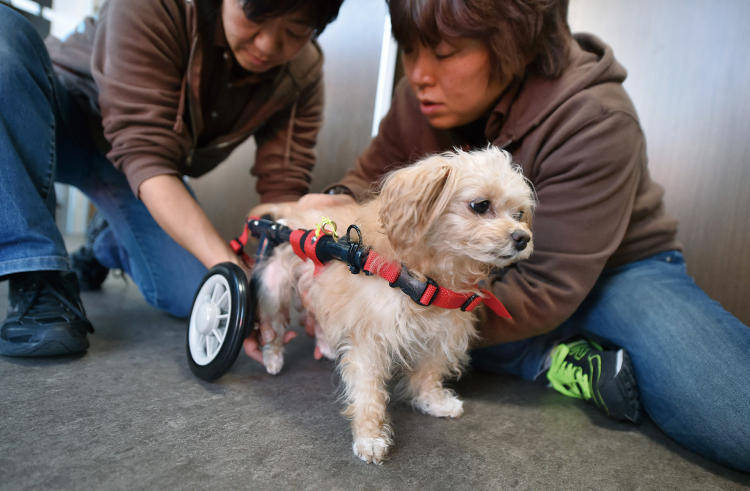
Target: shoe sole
54, 342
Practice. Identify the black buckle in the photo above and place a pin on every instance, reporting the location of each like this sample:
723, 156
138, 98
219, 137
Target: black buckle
413, 287
468, 302
356, 254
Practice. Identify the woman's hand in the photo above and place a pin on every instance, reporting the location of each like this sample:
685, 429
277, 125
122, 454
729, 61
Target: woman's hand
253, 344
306, 202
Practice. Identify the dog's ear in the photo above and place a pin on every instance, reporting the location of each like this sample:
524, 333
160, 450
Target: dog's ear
412, 198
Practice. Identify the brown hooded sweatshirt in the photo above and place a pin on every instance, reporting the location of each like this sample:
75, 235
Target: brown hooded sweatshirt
164, 95
579, 141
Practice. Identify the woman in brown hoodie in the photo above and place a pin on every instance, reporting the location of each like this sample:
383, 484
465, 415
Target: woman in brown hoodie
607, 278
123, 108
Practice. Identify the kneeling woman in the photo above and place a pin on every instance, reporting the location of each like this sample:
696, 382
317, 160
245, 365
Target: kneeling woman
607, 278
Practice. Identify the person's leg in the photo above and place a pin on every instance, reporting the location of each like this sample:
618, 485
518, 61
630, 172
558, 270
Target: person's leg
166, 274
691, 357
528, 358
30, 240
45, 316
573, 365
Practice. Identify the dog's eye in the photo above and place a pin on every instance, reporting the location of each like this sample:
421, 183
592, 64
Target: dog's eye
518, 215
480, 206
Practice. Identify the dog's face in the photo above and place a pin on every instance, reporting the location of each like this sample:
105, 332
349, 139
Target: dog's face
472, 210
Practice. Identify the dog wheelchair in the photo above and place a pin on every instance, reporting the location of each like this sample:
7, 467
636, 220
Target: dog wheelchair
223, 311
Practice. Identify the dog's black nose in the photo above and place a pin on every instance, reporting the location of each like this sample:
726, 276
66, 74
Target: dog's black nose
520, 239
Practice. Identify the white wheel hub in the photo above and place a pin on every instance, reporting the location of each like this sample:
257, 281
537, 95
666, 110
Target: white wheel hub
209, 319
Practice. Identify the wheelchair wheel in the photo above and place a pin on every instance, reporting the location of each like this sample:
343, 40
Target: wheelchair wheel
222, 307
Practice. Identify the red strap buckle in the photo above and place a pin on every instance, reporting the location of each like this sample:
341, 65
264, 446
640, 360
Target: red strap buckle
429, 293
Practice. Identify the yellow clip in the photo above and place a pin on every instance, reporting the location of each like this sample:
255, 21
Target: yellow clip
321, 228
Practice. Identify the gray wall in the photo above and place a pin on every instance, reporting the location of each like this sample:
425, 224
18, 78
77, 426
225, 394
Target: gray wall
689, 66
352, 49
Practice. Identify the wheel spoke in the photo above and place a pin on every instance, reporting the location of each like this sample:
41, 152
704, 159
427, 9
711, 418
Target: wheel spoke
218, 335
205, 297
224, 296
210, 346
215, 293
204, 342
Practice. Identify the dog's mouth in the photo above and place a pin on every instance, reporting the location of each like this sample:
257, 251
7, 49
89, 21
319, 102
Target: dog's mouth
506, 257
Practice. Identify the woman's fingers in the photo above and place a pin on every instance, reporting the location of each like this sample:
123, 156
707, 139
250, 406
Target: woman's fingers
252, 348
289, 335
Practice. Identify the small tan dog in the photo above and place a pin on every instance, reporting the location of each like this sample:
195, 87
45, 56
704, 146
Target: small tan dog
452, 217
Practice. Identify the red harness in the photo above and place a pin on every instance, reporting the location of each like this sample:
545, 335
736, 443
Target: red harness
432, 293
305, 242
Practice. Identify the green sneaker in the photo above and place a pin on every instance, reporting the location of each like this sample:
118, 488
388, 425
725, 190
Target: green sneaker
604, 378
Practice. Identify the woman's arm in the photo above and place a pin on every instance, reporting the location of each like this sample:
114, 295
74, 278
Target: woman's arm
586, 181
175, 210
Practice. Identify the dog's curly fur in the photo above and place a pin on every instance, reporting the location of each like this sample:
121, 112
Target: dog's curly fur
423, 218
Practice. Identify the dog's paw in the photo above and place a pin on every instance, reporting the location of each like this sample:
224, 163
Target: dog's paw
371, 450
273, 360
326, 350
443, 404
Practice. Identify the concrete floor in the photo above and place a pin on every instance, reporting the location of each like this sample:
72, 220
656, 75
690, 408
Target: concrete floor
129, 414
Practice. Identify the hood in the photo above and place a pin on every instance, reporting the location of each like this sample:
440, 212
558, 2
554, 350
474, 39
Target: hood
591, 63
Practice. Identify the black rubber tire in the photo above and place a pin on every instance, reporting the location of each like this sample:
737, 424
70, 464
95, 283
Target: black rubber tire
242, 301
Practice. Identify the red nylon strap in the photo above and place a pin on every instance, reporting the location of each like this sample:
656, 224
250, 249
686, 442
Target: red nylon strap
429, 292
241, 241
294, 239
449, 299
306, 250
492, 302
375, 264
311, 242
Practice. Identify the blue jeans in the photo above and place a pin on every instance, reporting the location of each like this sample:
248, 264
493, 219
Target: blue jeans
44, 138
691, 357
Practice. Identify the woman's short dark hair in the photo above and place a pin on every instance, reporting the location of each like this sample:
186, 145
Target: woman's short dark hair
320, 12
520, 34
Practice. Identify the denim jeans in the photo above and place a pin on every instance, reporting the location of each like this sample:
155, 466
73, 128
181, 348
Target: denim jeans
44, 138
691, 357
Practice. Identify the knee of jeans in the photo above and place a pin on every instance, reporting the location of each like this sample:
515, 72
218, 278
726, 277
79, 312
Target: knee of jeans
175, 301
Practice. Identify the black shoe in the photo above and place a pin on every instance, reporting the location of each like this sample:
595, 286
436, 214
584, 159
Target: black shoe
604, 378
90, 272
45, 317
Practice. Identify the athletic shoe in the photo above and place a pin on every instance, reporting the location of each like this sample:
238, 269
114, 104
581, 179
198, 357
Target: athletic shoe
604, 378
45, 317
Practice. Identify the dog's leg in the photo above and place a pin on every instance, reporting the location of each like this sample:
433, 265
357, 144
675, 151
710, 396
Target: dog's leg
365, 375
275, 291
305, 273
425, 386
